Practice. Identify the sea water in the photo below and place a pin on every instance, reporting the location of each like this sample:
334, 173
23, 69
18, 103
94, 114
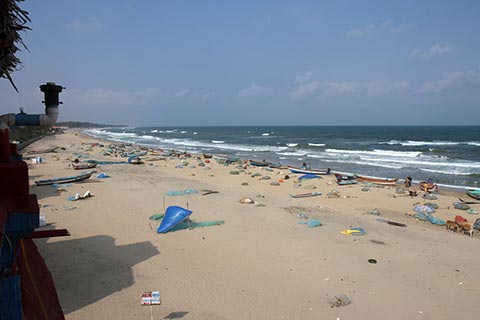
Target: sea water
447, 154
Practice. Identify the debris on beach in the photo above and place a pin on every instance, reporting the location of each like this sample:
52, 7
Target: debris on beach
461, 206
244, 184
208, 191
312, 223
103, 175
157, 216
275, 183
425, 216
79, 197
375, 212
339, 300
246, 200
180, 192
354, 232
392, 223
333, 194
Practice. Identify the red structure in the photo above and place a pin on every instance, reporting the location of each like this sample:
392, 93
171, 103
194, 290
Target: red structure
27, 290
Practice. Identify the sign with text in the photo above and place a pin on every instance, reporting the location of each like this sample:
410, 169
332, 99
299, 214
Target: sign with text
151, 298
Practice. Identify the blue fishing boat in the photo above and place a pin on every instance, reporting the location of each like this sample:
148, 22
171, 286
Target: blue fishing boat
69, 179
308, 171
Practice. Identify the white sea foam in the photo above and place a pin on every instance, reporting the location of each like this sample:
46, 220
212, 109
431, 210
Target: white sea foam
154, 131
391, 153
293, 154
291, 145
183, 132
414, 143
316, 144
218, 141
265, 134
474, 143
450, 172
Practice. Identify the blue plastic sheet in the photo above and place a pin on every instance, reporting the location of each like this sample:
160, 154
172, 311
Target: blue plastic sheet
173, 216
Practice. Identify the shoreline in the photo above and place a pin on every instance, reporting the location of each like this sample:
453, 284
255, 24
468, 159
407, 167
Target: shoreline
262, 263
447, 187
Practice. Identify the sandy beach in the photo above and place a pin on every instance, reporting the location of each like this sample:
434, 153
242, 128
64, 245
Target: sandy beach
261, 263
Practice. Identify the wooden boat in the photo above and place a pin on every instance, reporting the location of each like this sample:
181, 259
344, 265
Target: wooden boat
305, 195
474, 193
307, 171
70, 179
84, 165
344, 177
259, 163
207, 156
346, 182
385, 182
427, 186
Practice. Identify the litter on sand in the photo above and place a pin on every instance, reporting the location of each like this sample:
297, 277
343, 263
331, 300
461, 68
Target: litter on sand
79, 197
180, 192
339, 300
354, 232
312, 223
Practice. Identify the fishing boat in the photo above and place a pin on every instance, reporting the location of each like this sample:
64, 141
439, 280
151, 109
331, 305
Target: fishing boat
385, 182
427, 186
84, 165
346, 182
345, 177
259, 163
69, 179
305, 195
307, 171
474, 193
207, 156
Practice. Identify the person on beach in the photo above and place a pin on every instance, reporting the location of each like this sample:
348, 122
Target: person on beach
408, 182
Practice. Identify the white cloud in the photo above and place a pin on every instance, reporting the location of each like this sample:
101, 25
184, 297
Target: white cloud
450, 80
107, 97
253, 90
372, 29
306, 89
434, 51
368, 30
324, 90
304, 77
92, 24
181, 93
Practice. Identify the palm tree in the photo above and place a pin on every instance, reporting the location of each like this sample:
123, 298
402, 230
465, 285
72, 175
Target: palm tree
13, 20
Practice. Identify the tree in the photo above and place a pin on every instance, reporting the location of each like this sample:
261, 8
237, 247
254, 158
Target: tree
13, 21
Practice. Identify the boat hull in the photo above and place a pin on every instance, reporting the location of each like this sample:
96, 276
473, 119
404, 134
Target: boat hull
474, 193
70, 179
385, 182
306, 171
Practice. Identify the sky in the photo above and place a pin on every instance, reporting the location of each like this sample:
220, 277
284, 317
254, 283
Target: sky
220, 63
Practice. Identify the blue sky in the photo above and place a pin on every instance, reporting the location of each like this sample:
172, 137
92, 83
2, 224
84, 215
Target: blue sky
180, 63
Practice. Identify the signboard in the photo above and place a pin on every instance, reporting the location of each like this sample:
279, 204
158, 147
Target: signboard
151, 298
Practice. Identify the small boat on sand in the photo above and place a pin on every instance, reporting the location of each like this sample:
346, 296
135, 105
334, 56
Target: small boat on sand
69, 179
385, 182
427, 186
307, 171
84, 165
207, 156
259, 163
474, 193
305, 195
344, 177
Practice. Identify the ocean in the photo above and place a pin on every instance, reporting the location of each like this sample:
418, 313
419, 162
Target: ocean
449, 155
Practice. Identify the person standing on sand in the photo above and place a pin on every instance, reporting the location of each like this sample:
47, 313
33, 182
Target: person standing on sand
408, 182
